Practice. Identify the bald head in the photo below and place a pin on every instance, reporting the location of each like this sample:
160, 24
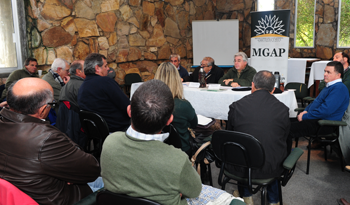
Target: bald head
27, 95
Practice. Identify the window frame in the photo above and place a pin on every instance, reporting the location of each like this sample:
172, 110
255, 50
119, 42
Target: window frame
16, 39
338, 27
295, 26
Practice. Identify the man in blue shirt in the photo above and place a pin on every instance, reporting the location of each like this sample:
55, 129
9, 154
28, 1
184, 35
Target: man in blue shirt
329, 105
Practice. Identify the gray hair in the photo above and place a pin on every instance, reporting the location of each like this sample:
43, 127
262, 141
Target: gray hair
91, 61
28, 104
264, 80
243, 55
73, 68
175, 55
59, 63
210, 60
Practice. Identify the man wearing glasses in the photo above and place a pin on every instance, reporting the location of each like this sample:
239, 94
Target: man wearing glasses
36, 157
212, 72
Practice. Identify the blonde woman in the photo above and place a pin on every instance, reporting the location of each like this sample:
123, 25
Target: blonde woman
184, 114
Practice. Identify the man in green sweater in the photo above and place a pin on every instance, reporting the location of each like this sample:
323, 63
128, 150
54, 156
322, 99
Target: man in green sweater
29, 70
241, 74
139, 164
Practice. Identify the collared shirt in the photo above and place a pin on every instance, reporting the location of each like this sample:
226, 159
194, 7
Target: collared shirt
148, 137
333, 82
57, 78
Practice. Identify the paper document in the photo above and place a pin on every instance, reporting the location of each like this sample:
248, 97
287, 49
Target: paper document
203, 120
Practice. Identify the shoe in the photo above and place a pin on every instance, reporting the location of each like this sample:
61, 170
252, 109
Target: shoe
248, 200
236, 193
347, 168
278, 203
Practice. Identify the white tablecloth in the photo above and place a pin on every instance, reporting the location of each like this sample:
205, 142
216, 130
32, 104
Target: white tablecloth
317, 71
216, 104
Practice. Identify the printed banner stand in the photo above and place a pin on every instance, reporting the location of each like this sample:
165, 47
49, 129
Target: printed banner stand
270, 41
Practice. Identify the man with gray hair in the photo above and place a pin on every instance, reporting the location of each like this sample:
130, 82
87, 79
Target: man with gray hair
212, 72
241, 74
175, 60
57, 77
68, 113
102, 95
36, 157
263, 116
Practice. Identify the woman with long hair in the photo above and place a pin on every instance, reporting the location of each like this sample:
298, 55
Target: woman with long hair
184, 114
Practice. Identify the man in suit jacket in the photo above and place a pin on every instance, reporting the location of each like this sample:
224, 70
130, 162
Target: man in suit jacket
212, 72
263, 116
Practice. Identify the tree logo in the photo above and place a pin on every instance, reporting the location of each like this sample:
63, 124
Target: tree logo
269, 26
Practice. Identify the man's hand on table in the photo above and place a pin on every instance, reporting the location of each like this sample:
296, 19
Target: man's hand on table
233, 84
226, 81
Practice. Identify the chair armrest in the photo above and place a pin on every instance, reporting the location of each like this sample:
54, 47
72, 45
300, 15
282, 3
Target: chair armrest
331, 123
292, 158
308, 98
299, 109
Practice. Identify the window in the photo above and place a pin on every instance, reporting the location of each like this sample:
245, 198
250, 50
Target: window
304, 23
10, 48
266, 5
343, 25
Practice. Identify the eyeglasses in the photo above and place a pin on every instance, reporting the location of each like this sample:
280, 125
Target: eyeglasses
52, 104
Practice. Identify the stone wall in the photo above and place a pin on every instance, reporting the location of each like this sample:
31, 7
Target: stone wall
326, 26
134, 35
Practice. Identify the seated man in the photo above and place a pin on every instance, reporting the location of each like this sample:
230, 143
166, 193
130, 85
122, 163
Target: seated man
36, 157
344, 59
175, 59
330, 104
263, 116
57, 77
68, 115
139, 164
212, 72
102, 95
241, 74
29, 70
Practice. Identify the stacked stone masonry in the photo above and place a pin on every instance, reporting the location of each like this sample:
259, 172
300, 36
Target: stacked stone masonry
137, 35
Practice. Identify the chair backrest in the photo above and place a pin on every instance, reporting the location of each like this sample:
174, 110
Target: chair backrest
238, 149
132, 78
109, 198
174, 137
300, 89
93, 124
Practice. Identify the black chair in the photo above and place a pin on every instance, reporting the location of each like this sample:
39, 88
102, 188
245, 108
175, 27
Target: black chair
244, 151
174, 138
130, 79
301, 92
109, 198
96, 129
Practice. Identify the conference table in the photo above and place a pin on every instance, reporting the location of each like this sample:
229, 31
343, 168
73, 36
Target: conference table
215, 104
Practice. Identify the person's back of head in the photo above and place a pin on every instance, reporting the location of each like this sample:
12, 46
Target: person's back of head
91, 61
28, 95
264, 80
152, 105
168, 73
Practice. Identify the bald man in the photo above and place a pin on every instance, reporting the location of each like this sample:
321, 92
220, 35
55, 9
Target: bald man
36, 157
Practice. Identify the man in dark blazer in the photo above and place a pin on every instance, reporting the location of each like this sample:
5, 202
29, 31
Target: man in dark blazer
263, 116
212, 72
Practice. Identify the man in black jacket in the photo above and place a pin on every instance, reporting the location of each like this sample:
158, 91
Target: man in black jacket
263, 116
212, 72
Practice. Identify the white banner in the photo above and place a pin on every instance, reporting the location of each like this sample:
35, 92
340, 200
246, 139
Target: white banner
270, 53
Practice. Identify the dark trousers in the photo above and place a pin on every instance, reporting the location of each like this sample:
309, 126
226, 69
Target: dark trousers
305, 128
272, 192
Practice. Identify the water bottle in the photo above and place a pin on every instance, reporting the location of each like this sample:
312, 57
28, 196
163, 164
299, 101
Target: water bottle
277, 79
201, 78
